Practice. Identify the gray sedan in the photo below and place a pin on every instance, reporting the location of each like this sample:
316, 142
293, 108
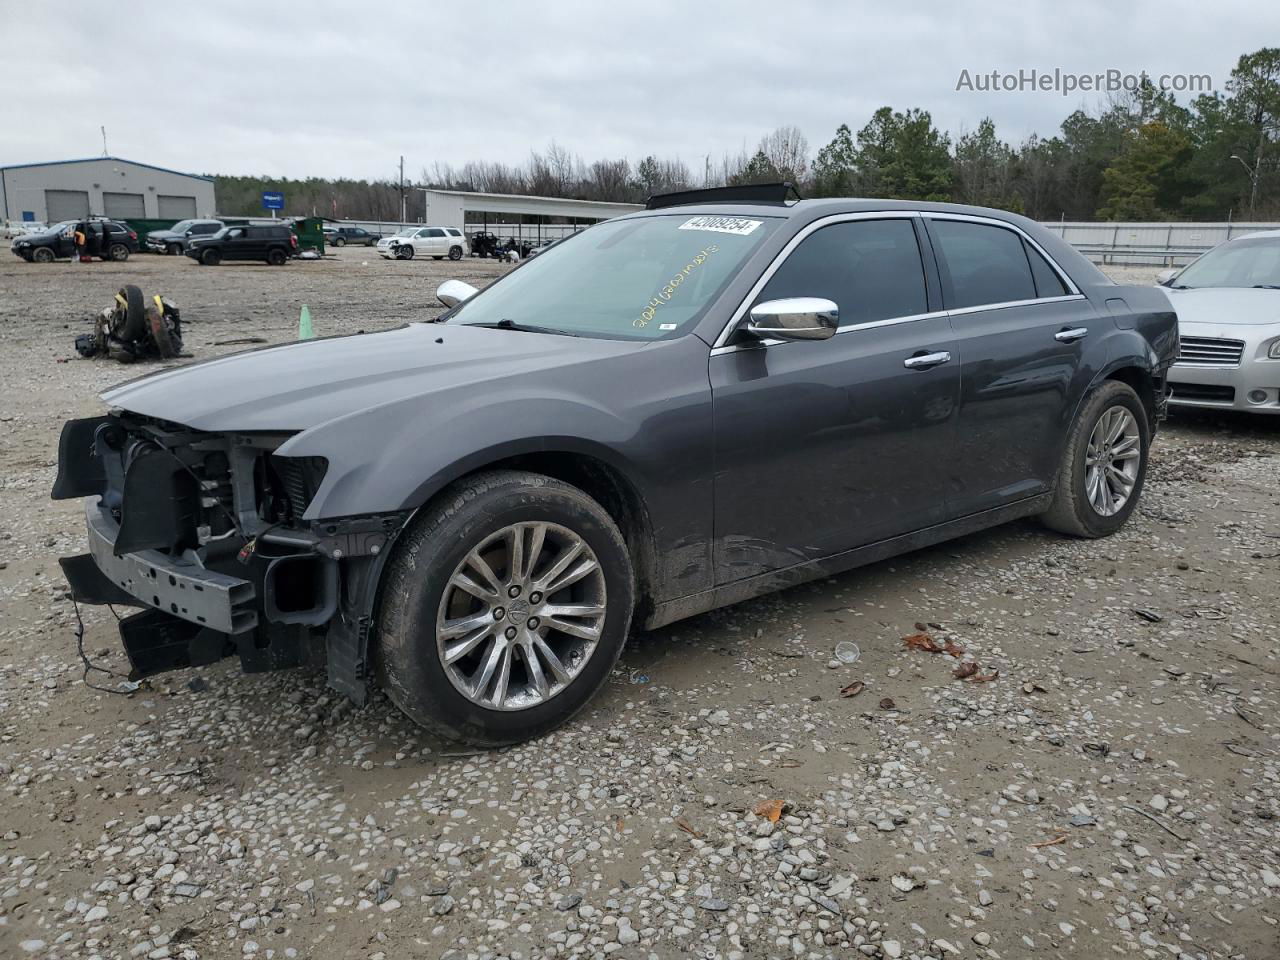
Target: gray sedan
1228, 305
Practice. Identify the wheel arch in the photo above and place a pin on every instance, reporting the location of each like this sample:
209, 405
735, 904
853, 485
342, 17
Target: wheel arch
594, 472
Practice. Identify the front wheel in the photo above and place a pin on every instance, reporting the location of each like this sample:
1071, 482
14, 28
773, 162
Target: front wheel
455, 253
211, 258
404, 252
174, 249
507, 604
42, 255
1103, 466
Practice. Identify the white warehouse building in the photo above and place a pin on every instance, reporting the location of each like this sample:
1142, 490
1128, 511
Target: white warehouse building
102, 187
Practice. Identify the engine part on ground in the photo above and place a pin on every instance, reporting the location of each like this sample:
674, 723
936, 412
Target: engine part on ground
133, 329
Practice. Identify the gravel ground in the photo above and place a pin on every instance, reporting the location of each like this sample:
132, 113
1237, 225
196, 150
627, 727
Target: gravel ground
1107, 780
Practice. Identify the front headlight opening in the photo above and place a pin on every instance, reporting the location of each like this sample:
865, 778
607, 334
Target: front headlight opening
1273, 352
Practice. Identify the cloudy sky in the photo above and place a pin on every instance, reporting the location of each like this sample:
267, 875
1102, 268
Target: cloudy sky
326, 88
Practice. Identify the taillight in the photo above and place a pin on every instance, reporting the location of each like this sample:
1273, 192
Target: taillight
133, 235
293, 241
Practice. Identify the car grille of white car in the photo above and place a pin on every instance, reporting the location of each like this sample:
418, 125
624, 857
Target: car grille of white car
1210, 352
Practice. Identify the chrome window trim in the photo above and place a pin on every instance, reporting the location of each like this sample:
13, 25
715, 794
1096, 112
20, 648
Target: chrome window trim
993, 222
720, 345
785, 252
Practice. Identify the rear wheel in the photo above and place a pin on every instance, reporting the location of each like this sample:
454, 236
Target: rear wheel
42, 255
276, 257
211, 258
339, 242
506, 606
118, 252
1104, 464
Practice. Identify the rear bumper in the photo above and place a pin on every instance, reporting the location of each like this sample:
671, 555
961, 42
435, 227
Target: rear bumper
153, 579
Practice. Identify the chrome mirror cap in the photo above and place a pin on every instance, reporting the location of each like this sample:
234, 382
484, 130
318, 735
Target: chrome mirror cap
453, 292
795, 318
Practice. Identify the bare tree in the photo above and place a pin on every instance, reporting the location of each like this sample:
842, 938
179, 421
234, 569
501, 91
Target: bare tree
788, 152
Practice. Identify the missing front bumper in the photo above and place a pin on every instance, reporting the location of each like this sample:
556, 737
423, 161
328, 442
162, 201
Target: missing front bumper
153, 579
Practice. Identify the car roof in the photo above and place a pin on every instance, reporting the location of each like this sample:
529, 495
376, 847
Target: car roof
1260, 235
824, 207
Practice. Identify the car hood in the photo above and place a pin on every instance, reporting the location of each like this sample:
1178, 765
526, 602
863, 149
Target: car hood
1225, 306
164, 235
301, 385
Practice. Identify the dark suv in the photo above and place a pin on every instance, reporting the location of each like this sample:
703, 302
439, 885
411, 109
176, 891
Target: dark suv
174, 240
274, 244
719, 396
356, 236
57, 242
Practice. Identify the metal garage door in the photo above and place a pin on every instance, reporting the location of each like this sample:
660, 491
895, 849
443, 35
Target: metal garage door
123, 206
177, 208
66, 204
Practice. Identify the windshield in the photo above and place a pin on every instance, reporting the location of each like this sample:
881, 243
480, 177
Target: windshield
640, 279
405, 232
1240, 263
182, 226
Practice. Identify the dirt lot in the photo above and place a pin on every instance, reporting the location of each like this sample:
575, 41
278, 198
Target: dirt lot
1114, 788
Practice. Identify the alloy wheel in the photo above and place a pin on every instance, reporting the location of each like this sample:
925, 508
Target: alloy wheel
1112, 461
521, 615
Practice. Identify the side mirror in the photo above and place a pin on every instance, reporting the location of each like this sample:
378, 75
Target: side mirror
1165, 277
453, 292
795, 318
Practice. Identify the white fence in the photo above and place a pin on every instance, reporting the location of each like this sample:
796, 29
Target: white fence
1156, 244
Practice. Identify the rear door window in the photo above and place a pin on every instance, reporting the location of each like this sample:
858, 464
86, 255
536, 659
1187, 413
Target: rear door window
871, 269
981, 264
1048, 283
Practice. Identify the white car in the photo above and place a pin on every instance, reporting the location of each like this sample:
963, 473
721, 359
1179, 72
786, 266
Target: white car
1228, 306
437, 242
11, 229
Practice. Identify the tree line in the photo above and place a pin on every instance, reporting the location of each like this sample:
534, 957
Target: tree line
1141, 155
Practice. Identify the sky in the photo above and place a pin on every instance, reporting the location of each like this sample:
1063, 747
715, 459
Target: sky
343, 89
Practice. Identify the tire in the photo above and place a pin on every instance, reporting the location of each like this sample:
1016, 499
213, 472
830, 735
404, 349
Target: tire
174, 249
118, 252
477, 514
455, 253
404, 252
277, 257
211, 258
43, 255
133, 324
339, 242
1081, 507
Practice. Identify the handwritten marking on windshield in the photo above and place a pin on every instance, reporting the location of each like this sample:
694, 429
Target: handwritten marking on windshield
667, 292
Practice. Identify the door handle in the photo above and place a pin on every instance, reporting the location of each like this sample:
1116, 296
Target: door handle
926, 360
1071, 335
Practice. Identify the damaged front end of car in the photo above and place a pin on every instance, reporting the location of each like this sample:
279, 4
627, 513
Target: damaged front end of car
208, 533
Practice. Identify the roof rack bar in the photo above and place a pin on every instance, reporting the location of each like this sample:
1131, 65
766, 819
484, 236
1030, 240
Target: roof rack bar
742, 193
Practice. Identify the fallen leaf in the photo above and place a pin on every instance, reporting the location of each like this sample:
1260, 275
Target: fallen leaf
953, 649
1061, 838
921, 641
771, 810
683, 824
984, 678
965, 670
888, 704
853, 689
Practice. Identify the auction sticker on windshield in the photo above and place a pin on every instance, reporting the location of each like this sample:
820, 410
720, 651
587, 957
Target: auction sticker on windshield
738, 226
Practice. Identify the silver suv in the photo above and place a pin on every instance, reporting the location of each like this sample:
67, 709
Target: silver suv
437, 242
